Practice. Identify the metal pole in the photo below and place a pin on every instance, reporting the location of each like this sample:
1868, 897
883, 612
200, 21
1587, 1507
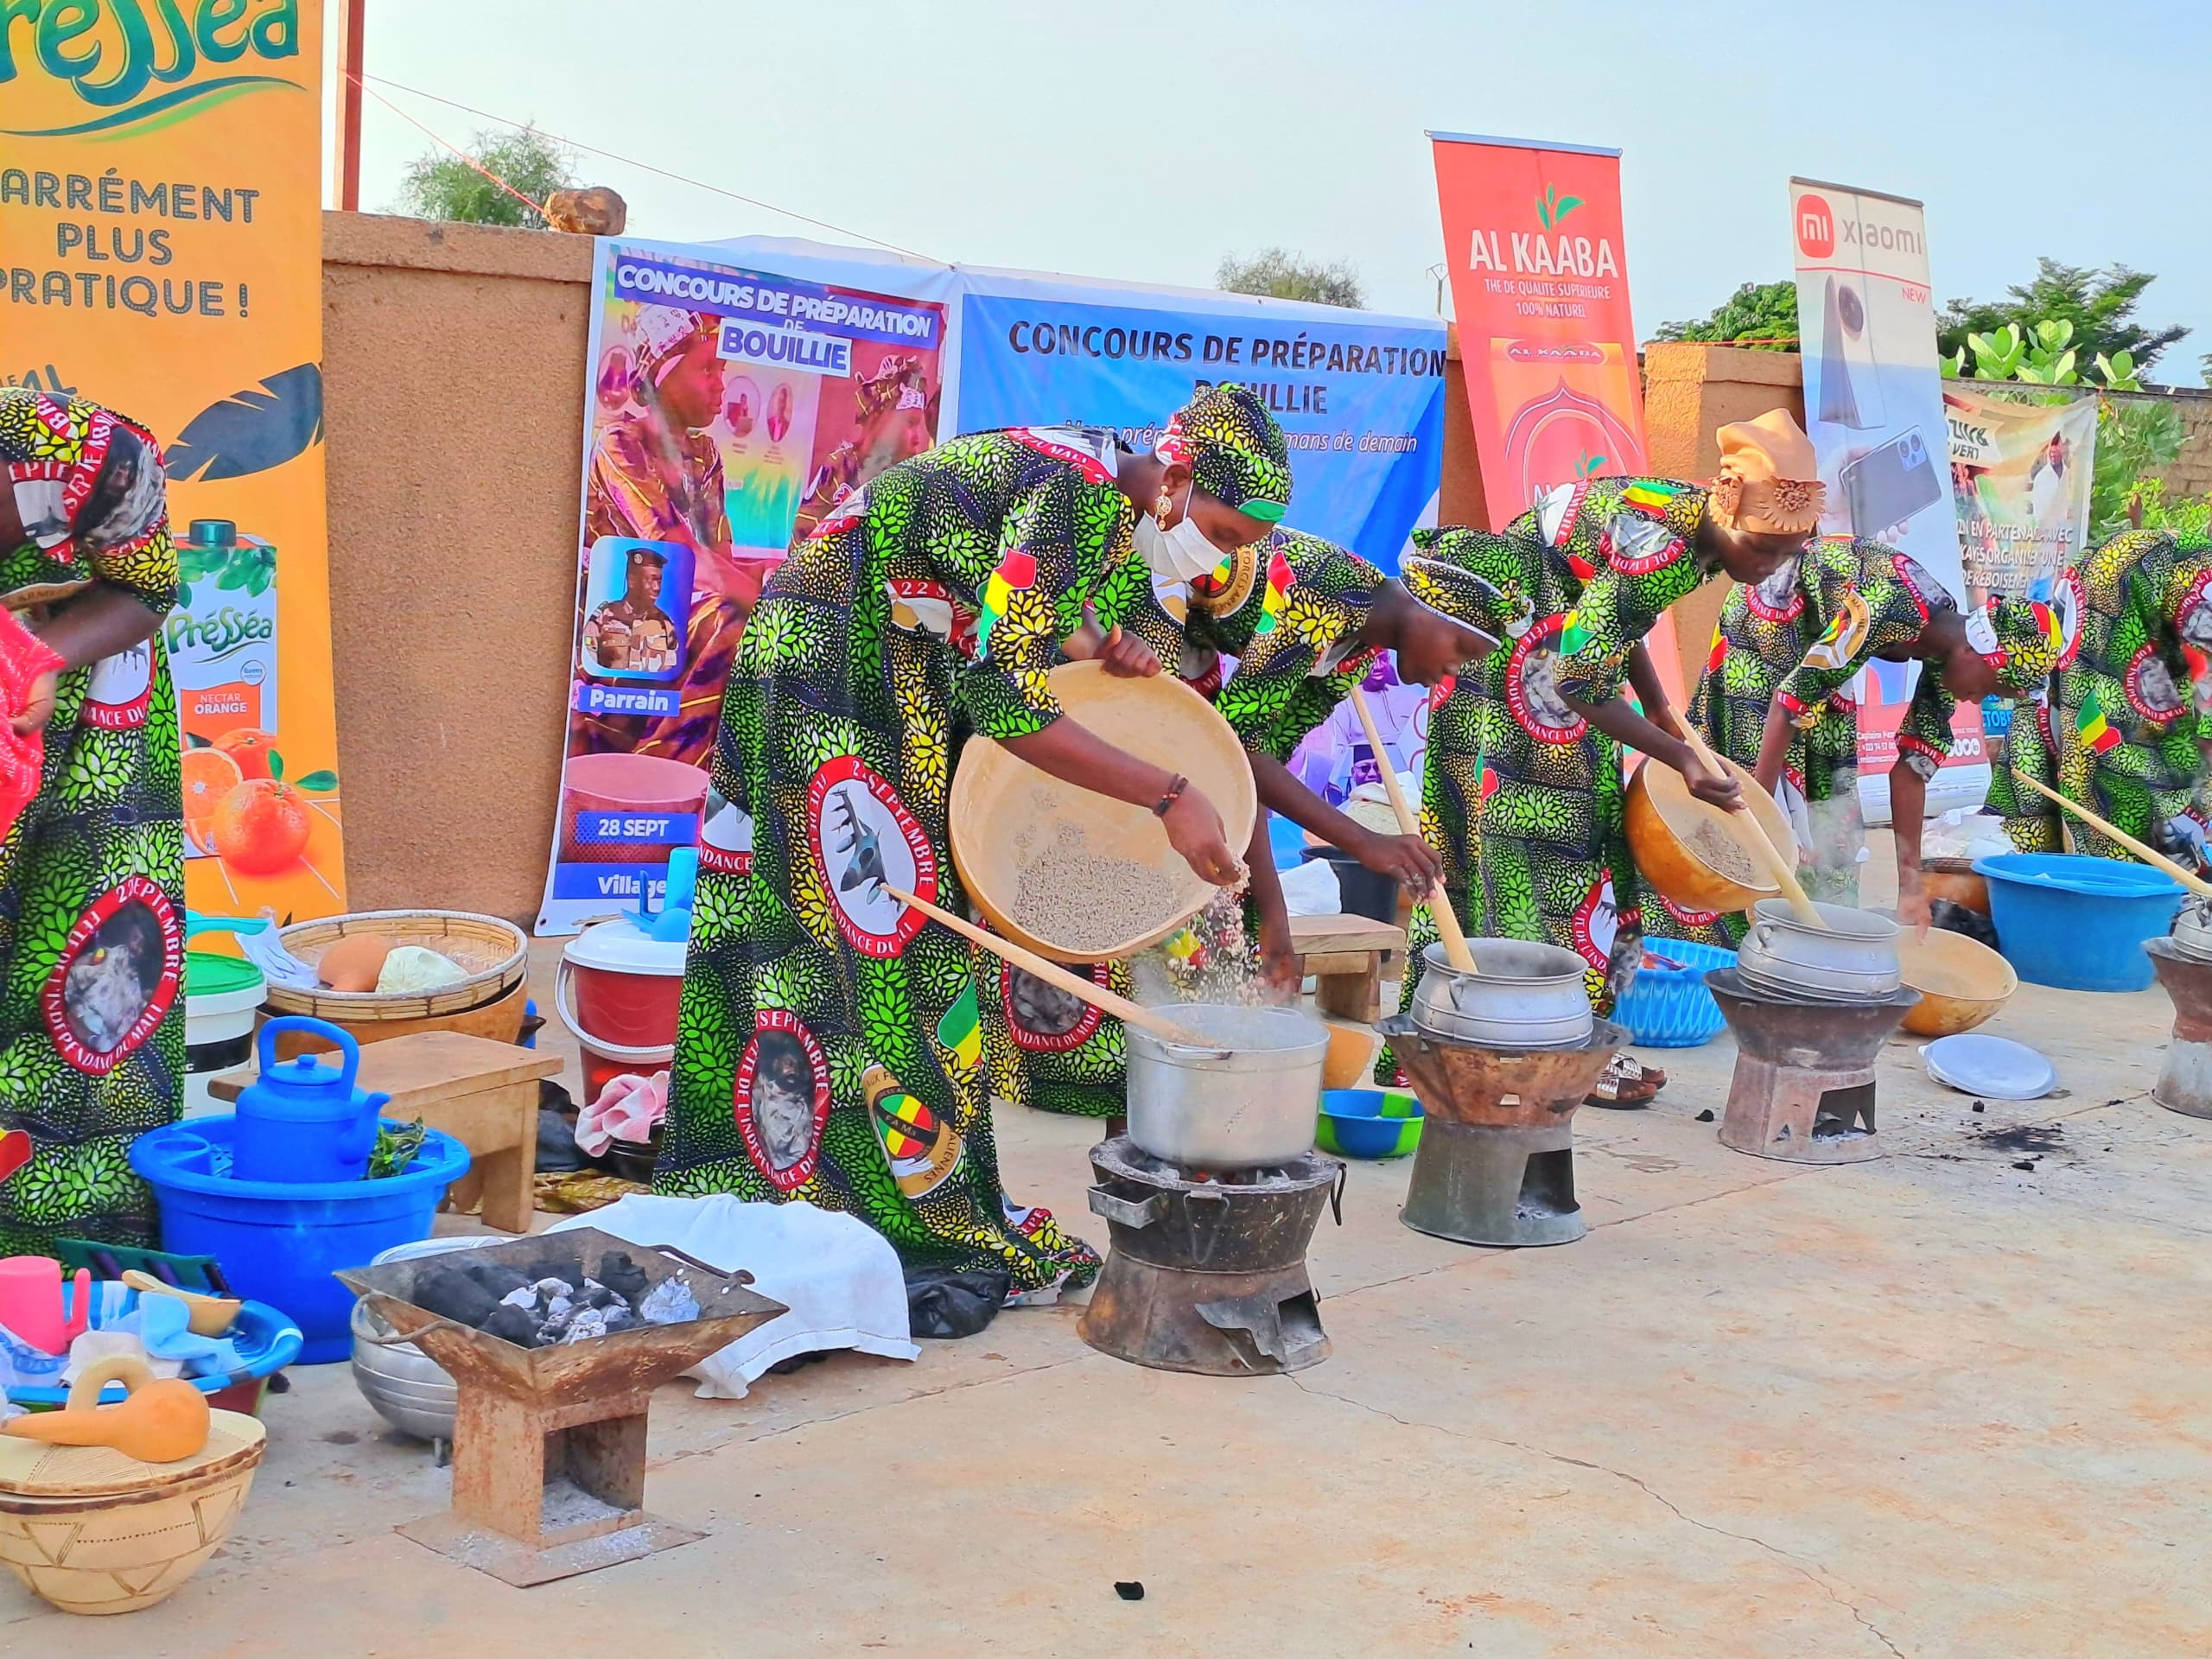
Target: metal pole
350, 68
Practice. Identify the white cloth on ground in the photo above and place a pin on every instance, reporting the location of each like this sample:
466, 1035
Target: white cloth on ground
840, 1277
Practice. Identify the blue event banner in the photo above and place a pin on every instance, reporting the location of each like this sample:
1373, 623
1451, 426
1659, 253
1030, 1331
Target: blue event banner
1359, 395
786, 302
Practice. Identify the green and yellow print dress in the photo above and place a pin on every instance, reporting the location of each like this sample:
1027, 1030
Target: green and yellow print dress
1800, 638
1523, 798
1288, 608
2118, 725
92, 872
829, 1048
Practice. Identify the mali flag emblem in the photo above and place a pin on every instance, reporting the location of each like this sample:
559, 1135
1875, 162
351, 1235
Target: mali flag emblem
1016, 574
1277, 598
1719, 654
2094, 733
1572, 636
961, 1033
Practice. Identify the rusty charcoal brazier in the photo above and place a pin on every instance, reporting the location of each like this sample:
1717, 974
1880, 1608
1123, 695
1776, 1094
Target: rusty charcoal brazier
1804, 1087
1208, 1275
1495, 1163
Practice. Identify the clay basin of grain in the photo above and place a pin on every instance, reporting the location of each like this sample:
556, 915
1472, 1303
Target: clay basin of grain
1078, 876
1690, 851
1961, 982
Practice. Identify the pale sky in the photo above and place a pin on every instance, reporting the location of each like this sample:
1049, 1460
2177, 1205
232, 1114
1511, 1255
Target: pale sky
1143, 142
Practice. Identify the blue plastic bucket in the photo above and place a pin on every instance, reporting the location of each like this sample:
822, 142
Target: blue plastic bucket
280, 1242
2077, 923
1669, 1008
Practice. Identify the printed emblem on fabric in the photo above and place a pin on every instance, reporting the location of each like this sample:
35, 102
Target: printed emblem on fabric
119, 974
2150, 688
1087, 454
1557, 509
781, 1099
1532, 691
863, 840
1044, 1018
1778, 598
119, 689
1597, 923
1223, 590
1686, 916
1636, 545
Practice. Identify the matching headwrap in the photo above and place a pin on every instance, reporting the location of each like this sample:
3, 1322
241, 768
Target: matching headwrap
1440, 583
2022, 639
1234, 449
1770, 480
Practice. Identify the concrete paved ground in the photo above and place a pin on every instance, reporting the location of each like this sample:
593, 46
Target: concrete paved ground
1936, 1405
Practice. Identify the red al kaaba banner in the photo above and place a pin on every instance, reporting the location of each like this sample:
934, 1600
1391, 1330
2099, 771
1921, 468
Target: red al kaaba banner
1532, 236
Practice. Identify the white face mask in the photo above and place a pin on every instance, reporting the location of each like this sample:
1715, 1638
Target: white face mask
1182, 552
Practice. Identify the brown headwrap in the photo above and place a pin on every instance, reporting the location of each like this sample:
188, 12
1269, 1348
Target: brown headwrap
1770, 481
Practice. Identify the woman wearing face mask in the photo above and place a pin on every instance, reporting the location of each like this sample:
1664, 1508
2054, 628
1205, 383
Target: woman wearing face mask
928, 605
1306, 620
1523, 786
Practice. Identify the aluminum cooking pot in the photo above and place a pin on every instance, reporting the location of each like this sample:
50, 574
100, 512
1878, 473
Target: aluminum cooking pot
1251, 1103
2193, 929
1852, 958
1521, 995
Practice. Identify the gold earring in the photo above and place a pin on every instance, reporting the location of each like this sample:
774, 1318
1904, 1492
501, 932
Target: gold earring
1162, 507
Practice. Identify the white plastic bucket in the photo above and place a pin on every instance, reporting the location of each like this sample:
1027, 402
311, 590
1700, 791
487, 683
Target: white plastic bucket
217, 1023
616, 992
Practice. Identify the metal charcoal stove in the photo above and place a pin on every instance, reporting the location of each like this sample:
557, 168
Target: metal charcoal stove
1208, 1274
549, 1452
1495, 1164
2185, 1081
1803, 1091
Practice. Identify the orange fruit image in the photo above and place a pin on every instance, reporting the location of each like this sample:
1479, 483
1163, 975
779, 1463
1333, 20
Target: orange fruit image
209, 775
249, 746
261, 827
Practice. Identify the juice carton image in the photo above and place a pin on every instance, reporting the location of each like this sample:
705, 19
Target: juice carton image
222, 643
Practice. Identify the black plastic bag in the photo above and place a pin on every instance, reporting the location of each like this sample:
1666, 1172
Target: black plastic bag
943, 1303
1957, 919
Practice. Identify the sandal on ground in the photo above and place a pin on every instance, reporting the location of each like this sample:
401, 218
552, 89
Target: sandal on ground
1628, 1083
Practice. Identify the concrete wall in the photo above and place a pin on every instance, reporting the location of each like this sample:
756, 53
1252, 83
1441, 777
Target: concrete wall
454, 374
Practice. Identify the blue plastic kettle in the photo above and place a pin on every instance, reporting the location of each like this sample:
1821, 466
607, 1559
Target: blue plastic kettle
303, 1120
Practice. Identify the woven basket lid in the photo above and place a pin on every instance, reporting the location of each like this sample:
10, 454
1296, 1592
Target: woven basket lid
34, 1469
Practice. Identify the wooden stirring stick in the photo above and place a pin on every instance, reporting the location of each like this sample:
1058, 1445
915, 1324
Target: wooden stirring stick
2195, 884
1052, 973
1447, 925
1757, 841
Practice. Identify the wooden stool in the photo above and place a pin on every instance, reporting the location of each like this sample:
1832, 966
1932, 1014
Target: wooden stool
1344, 955
482, 1093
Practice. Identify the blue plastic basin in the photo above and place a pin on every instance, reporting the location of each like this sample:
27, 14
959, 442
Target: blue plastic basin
1669, 1008
280, 1242
2077, 923
1369, 1122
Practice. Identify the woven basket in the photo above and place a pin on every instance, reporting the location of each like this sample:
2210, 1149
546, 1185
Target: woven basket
492, 954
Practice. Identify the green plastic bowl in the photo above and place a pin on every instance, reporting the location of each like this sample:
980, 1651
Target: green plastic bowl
1369, 1122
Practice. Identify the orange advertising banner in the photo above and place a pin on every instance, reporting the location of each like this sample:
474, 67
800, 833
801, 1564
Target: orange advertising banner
160, 247
1532, 237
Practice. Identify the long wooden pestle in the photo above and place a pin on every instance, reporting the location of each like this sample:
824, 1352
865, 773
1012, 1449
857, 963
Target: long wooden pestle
2151, 855
1447, 925
1052, 973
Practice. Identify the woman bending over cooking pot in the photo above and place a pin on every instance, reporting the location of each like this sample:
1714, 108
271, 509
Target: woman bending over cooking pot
1523, 792
1304, 619
1776, 696
2125, 722
830, 1047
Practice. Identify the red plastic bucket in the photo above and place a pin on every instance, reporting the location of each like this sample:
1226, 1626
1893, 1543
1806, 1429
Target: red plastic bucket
617, 992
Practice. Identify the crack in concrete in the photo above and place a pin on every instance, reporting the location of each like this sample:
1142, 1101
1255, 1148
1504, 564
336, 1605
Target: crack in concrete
1811, 1572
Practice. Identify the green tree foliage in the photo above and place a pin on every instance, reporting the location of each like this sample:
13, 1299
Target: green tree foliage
439, 185
2100, 303
1278, 274
1763, 316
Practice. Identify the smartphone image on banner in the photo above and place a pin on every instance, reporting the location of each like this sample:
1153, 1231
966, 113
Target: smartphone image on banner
1851, 391
1887, 485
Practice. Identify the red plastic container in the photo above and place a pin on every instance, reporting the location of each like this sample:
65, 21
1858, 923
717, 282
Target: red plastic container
617, 992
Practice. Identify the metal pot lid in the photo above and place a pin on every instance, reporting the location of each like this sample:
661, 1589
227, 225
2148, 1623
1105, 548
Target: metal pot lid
33, 1469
